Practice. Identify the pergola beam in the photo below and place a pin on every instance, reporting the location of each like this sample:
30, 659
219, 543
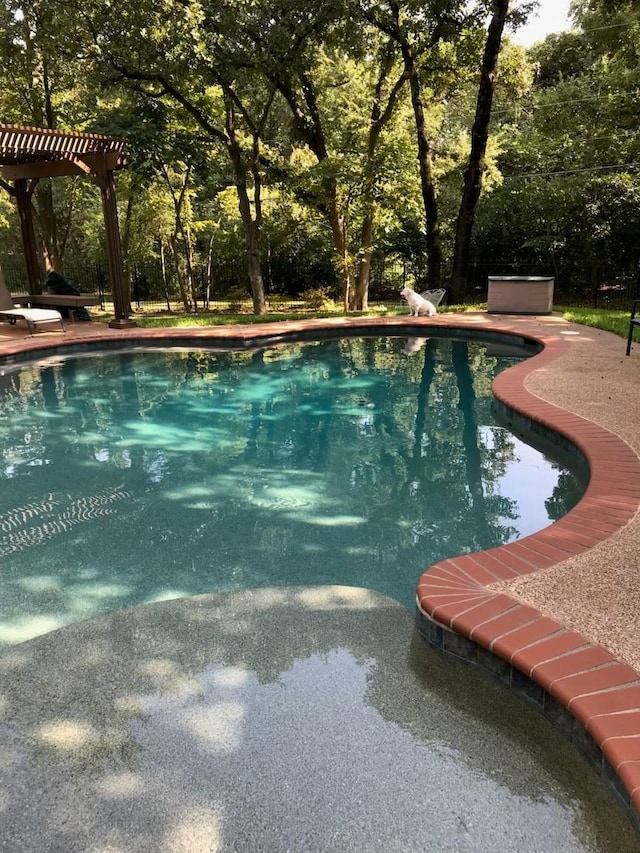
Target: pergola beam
66, 167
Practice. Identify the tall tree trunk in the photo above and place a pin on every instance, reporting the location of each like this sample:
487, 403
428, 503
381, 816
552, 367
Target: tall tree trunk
173, 244
126, 243
361, 295
432, 220
379, 118
209, 274
182, 228
250, 223
187, 242
308, 123
163, 268
47, 226
339, 232
476, 167
187, 238
254, 265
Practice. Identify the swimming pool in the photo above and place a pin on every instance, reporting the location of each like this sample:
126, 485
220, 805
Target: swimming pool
136, 477
134, 722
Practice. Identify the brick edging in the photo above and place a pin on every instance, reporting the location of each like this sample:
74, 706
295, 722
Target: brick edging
552, 667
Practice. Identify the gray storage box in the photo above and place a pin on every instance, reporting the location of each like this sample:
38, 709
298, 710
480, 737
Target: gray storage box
520, 294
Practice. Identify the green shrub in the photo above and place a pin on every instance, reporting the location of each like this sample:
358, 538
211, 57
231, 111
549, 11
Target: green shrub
237, 296
318, 299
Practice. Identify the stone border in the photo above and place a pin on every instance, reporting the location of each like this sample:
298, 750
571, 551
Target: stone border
582, 688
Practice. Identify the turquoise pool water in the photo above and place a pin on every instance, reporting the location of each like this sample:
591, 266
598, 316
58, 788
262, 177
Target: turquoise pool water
141, 476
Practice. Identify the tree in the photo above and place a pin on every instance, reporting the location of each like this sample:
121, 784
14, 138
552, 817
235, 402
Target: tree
328, 74
37, 92
190, 57
570, 149
437, 39
472, 186
382, 110
347, 147
416, 31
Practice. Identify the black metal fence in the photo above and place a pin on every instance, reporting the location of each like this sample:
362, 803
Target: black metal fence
223, 286
597, 287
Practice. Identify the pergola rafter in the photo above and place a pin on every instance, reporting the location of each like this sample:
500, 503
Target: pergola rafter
28, 154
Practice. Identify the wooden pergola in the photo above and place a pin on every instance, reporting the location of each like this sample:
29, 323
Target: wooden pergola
28, 154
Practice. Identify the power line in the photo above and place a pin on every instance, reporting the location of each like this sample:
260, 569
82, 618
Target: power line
592, 169
626, 24
531, 107
621, 135
583, 31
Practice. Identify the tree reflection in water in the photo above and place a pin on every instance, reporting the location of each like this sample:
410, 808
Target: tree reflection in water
141, 476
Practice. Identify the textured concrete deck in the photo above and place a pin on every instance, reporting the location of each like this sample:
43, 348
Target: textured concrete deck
560, 606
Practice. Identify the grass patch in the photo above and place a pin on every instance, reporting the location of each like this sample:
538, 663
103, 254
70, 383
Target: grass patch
616, 321
610, 320
164, 321
147, 321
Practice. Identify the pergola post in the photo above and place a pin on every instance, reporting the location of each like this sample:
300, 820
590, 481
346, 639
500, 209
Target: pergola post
121, 297
29, 245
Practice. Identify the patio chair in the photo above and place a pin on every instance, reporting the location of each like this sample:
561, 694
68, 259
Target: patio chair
33, 317
435, 297
634, 320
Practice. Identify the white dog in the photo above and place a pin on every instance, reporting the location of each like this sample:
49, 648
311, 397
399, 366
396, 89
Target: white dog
419, 306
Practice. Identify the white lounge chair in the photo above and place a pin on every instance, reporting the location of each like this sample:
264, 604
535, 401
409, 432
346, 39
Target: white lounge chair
33, 317
435, 297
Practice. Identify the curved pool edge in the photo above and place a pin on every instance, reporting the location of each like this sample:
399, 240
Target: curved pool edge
19, 351
578, 685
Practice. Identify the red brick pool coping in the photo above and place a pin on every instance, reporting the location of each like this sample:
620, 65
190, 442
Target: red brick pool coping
454, 598
601, 693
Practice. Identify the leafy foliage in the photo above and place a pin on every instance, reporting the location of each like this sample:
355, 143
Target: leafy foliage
274, 112
570, 153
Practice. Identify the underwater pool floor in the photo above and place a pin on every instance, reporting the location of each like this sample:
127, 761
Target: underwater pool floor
587, 596
306, 719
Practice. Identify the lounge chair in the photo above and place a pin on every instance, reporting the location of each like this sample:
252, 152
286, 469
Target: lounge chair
435, 297
33, 317
634, 320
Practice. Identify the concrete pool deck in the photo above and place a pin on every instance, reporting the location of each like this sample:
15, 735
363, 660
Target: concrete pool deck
561, 606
